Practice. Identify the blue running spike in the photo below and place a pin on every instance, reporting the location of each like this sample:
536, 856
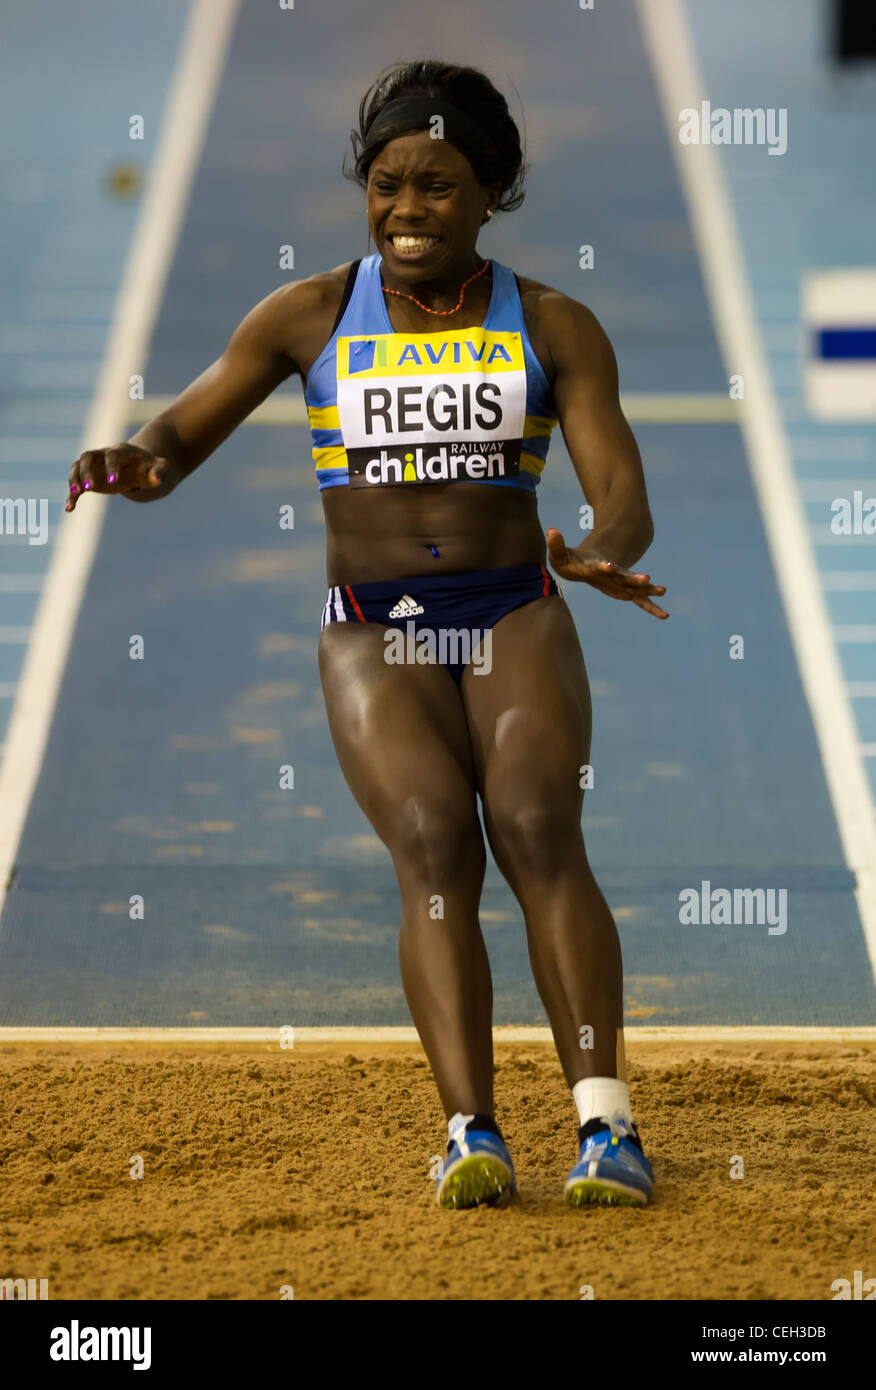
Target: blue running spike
477, 1171
611, 1170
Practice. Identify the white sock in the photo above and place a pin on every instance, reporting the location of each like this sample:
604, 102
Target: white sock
602, 1098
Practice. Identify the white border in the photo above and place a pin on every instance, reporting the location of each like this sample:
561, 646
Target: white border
680, 85
184, 126
634, 1035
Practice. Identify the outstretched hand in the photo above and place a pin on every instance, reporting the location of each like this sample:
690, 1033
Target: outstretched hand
603, 575
120, 468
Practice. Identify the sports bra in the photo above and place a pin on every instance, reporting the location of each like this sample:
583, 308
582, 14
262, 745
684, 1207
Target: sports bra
466, 405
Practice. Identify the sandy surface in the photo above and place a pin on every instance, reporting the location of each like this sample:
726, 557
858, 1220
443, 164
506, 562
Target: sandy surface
310, 1169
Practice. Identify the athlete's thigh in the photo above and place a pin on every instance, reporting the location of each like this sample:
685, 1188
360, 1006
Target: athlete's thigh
529, 716
399, 731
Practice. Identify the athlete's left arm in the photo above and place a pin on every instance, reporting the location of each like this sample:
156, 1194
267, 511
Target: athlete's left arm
603, 450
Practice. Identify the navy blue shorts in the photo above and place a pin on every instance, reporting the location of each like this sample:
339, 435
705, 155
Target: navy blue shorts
440, 617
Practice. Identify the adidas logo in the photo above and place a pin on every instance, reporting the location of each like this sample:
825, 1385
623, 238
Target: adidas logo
406, 607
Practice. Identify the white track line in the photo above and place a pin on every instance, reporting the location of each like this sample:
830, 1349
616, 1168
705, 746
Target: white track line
20, 583
189, 104
664, 408
849, 581
409, 1035
680, 85
281, 409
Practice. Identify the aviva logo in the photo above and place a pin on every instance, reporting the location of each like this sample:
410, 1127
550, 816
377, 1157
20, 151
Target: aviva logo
364, 356
465, 350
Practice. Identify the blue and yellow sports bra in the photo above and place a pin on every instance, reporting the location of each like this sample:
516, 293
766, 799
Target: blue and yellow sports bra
468, 405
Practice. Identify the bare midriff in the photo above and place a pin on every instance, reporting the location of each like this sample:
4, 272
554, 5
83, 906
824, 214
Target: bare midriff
393, 532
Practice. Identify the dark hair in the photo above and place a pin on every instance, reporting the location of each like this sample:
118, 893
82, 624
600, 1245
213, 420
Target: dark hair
499, 158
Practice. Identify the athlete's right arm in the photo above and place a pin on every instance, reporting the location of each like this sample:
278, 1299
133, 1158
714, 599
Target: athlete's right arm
173, 444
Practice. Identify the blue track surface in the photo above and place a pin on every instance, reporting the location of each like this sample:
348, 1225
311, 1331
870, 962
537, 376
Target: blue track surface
64, 246
161, 777
809, 210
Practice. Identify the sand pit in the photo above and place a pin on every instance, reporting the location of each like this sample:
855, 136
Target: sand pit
310, 1169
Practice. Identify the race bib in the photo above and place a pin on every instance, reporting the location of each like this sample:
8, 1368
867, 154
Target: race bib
431, 408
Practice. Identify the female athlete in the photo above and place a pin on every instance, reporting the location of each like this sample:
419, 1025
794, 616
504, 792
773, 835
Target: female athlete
449, 660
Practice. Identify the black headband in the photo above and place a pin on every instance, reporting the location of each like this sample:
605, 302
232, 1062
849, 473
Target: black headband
416, 113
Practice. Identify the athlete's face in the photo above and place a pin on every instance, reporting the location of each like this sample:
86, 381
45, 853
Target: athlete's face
425, 190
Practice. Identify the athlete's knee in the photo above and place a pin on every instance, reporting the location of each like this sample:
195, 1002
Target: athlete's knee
435, 844
537, 839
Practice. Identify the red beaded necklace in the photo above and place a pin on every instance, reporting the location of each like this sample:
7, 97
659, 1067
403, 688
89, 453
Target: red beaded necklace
441, 313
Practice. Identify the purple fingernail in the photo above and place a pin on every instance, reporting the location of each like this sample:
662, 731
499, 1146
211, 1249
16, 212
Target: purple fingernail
86, 486
110, 477
74, 488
